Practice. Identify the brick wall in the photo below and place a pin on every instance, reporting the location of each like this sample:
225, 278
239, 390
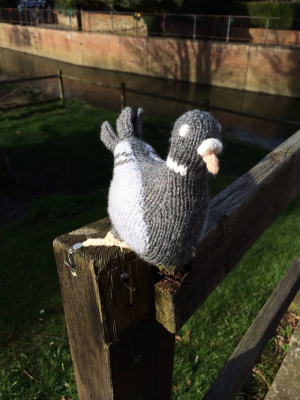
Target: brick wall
65, 20
118, 24
241, 66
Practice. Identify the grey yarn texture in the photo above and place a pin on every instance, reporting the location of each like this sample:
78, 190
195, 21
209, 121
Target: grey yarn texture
158, 208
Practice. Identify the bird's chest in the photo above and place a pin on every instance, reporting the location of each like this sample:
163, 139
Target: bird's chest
175, 203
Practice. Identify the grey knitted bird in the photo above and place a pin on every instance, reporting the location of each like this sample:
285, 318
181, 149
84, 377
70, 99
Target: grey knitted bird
159, 208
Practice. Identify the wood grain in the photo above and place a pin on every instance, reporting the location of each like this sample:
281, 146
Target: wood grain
116, 343
238, 217
231, 379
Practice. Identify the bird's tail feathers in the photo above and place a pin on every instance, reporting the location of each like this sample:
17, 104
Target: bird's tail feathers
108, 136
129, 124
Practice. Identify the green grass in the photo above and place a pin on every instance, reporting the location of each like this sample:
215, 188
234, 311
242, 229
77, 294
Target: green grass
61, 148
218, 326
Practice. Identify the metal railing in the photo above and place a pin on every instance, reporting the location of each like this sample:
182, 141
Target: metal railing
267, 30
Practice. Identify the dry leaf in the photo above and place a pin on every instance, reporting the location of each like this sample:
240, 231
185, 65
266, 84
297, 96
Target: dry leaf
178, 338
188, 382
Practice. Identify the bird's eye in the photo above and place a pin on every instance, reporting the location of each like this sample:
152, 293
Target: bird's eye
184, 131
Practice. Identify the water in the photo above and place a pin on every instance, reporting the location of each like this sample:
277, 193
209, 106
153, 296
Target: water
266, 134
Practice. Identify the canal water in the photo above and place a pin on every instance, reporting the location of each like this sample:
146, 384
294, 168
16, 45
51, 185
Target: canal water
266, 134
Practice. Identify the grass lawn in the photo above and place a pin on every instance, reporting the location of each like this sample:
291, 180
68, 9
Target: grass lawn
56, 153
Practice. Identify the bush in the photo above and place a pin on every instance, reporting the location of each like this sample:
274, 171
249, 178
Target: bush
52, 207
287, 11
8, 3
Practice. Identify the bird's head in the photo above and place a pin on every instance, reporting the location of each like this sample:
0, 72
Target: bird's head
195, 139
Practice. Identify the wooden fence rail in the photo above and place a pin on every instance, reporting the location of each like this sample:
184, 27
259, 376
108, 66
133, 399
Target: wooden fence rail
122, 332
75, 78
32, 79
238, 216
205, 105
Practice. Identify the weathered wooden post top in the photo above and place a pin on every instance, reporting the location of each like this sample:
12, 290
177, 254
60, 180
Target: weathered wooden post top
119, 350
122, 313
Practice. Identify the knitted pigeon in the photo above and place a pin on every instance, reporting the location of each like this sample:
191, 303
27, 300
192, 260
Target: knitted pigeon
159, 208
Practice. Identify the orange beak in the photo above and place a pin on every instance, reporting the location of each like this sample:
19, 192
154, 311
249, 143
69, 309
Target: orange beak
212, 163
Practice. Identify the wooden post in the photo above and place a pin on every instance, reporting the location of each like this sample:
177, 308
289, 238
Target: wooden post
207, 105
119, 350
61, 87
123, 96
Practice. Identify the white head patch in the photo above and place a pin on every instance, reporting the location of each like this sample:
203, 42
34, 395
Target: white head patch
184, 130
210, 146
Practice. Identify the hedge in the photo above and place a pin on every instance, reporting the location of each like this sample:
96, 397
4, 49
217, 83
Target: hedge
286, 11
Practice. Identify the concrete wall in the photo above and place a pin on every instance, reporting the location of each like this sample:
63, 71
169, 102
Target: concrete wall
274, 36
257, 68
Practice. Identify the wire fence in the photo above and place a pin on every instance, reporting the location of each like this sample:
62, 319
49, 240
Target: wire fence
267, 30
